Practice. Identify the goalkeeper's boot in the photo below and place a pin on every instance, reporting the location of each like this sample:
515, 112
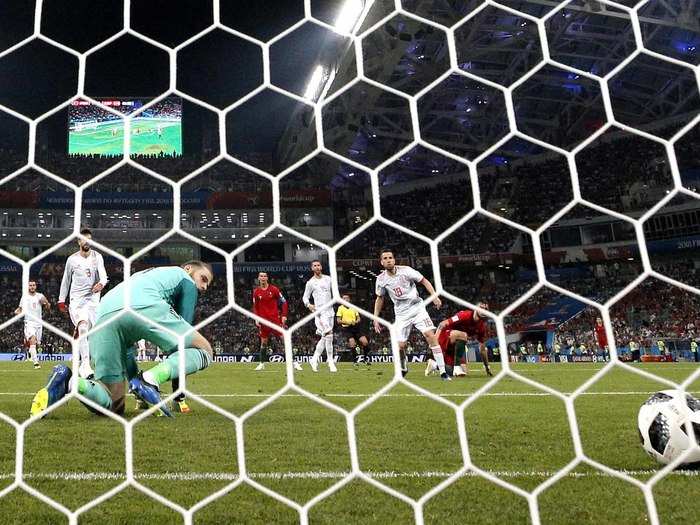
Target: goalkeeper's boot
488, 370
180, 405
148, 394
55, 389
445, 376
261, 366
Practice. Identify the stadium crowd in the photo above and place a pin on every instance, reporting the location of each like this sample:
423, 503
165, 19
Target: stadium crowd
445, 203
528, 193
656, 310
682, 269
652, 311
481, 235
626, 173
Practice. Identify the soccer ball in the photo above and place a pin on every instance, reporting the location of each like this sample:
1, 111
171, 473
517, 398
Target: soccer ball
662, 425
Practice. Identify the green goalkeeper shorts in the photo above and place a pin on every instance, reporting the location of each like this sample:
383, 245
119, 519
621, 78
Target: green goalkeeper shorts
110, 341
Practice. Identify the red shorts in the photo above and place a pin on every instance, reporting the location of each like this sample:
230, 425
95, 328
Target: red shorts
265, 331
444, 340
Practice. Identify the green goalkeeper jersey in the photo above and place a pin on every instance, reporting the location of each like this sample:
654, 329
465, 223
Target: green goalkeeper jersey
149, 287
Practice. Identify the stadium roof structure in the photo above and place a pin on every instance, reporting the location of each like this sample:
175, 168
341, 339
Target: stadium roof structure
585, 35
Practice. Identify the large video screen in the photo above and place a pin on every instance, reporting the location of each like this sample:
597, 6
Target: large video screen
154, 131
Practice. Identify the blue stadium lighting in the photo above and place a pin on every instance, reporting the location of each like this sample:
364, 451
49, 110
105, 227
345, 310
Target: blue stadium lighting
685, 47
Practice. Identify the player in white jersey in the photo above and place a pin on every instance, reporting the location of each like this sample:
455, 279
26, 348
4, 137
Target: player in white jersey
32, 304
399, 283
83, 279
320, 287
141, 346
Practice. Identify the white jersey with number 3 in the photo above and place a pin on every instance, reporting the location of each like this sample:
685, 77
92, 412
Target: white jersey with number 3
401, 288
80, 275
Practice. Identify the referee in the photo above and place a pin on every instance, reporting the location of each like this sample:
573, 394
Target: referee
349, 321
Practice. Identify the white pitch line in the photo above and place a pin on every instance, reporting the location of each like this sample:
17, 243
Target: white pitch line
466, 394
391, 474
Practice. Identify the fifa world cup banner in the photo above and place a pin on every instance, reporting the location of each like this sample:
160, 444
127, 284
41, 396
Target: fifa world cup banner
116, 200
271, 267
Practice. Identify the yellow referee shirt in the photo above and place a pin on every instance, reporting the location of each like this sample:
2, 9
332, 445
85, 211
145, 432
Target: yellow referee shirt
347, 316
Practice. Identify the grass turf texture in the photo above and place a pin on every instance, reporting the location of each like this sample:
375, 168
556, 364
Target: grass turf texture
102, 141
299, 448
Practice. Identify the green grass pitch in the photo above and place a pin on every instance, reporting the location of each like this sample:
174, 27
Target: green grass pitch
299, 448
108, 139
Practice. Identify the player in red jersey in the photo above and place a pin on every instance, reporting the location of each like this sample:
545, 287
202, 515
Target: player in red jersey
270, 304
453, 334
600, 335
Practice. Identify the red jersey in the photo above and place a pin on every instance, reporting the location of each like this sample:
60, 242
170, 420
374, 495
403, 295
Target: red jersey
464, 321
600, 335
268, 302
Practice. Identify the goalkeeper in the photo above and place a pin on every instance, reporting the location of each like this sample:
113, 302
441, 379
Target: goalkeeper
166, 296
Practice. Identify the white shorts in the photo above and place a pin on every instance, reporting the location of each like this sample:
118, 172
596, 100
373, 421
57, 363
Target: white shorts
31, 330
324, 322
417, 317
83, 313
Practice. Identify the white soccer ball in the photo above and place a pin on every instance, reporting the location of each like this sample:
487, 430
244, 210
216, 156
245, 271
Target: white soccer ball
662, 425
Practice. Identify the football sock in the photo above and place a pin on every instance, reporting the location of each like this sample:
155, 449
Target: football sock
195, 360
176, 384
95, 392
329, 348
439, 358
83, 347
263, 353
460, 351
132, 368
320, 346
32, 353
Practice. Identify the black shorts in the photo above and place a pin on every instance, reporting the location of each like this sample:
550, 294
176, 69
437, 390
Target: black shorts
352, 331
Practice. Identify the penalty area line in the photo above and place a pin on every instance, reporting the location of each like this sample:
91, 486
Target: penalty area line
390, 474
453, 394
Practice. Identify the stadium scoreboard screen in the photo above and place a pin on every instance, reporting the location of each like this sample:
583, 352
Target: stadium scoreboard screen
156, 130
